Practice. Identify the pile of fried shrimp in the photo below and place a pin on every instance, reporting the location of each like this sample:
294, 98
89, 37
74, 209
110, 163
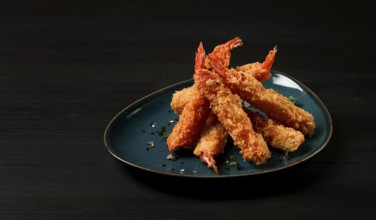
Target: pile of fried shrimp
211, 110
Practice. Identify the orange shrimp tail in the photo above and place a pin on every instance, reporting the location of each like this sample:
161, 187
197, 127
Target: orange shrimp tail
269, 60
209, 160
234, 43
218, 66
223, 51
200, 57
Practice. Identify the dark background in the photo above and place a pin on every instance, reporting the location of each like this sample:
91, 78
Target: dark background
67, 67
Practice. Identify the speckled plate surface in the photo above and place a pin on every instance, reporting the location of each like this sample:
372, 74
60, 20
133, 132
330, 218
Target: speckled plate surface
135, 135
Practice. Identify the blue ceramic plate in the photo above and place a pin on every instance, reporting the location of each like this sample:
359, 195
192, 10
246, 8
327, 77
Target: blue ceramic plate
135, 136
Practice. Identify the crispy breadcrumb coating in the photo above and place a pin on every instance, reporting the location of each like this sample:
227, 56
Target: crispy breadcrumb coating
182, 97
275, 134
192, 119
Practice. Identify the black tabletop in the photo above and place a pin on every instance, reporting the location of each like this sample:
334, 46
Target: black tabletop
68, 67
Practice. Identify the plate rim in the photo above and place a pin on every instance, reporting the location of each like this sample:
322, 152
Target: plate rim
327, 115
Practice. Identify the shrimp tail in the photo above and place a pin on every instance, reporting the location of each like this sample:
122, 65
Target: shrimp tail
223, 51
200, 57
234, 43
209, 160
269, 59
218, 66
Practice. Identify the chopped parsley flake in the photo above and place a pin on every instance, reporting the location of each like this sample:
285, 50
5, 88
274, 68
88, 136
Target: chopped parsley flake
246, 104
163, 132
233, 162
286, 156
293, 99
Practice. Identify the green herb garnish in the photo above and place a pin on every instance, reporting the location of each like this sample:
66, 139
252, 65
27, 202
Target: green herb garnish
246, 104
233, 162
163, 132
293, 99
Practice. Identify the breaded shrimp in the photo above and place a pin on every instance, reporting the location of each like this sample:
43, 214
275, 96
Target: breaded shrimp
274, 133
275, 105
213, 138
261, 71
228, 108
212, 142
187, 130
192, 119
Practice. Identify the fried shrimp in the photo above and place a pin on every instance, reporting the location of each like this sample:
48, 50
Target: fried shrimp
275, 105
261, 71
187, 130
274, 133
228, 108
212, 142
193, 117
213, 138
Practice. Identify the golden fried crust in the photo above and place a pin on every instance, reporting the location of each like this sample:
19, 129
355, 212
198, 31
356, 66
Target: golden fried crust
230, 113
275, 105
261, 71
182, 97
275, 134
213, 137
256, 70
191, 121
223, 51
